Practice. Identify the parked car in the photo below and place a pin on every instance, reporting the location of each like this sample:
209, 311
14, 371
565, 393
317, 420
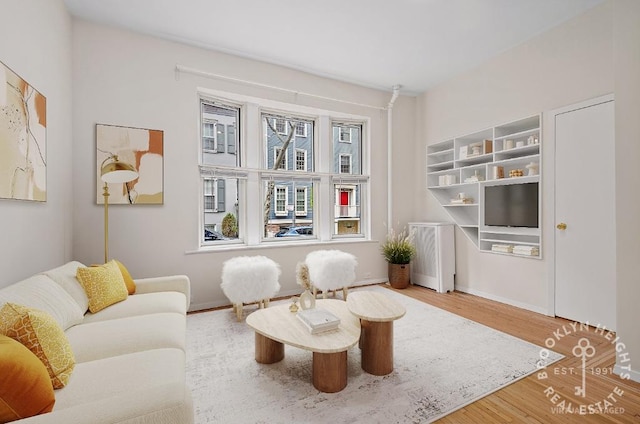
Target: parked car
306, 230
213, 235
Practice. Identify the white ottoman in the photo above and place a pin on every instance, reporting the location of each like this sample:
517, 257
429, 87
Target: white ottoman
331, 270
250, 279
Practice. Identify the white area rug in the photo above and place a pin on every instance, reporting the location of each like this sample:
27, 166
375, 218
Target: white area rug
442, 363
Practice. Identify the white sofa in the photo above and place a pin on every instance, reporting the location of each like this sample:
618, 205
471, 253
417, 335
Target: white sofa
130, 357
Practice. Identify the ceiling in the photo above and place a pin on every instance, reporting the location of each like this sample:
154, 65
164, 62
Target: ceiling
375, 43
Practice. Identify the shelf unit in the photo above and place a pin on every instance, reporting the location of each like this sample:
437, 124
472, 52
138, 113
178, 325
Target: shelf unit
461, 167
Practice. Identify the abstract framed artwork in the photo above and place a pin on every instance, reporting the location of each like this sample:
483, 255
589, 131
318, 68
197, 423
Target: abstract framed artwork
23, 139
139, 147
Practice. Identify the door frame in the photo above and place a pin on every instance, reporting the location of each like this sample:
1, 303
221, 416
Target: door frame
550, 189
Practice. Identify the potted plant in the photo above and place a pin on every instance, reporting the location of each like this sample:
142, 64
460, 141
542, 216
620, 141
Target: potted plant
398, 250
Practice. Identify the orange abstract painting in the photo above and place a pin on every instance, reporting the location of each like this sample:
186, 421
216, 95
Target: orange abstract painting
23, 134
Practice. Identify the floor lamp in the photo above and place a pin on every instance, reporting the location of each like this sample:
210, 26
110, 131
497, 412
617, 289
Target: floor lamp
113, 171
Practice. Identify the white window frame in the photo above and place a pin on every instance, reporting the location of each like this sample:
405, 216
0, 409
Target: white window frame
252, 173
285, 124
284, 211
348, 131
214, 193
304, 160
348, 156
304, 129
303, 211
285, 163
212, 137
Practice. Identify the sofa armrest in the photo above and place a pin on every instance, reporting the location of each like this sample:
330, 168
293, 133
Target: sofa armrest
177, 283
165, 404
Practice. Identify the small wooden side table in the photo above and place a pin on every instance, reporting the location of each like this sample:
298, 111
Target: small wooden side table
377, 313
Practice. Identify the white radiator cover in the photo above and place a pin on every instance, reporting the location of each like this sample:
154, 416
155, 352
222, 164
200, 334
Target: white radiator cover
434, 265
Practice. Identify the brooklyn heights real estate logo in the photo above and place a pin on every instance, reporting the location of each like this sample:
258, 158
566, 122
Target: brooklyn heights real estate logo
580, 401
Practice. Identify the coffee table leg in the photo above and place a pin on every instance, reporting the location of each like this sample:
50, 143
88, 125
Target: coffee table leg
376, 343
268, 351
330, 371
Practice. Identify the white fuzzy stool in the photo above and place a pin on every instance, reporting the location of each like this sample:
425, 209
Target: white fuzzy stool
250, 279
331, 270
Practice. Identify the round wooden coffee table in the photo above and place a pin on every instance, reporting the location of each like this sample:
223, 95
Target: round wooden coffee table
377, 313
276, 326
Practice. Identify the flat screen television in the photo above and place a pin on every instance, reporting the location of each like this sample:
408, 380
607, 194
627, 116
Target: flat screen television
511, 205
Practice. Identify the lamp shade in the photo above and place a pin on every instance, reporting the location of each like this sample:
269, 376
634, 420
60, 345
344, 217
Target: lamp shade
117, 172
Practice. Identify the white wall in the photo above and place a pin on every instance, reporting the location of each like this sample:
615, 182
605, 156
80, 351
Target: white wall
570, 63
35, 42
129, 79
627, 92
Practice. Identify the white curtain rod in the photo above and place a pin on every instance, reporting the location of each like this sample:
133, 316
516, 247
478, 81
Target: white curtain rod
193, 71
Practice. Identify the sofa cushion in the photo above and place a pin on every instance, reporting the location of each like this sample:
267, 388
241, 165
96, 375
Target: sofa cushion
42, 335
128, 280
25, 387
41, 292
103, 284
141, 304
65, 276
96, 380
115, 337
171, 283
160, 404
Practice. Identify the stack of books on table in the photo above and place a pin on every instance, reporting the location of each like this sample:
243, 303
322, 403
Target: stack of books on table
526, 250
318, 320
502, 248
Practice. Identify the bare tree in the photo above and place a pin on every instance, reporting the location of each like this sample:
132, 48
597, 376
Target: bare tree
276, 164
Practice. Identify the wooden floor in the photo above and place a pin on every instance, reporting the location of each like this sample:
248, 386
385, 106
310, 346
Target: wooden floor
537, 399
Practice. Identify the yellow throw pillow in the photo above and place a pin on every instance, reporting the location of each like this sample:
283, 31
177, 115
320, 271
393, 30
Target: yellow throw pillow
103, 284
128, 280
25, 387
42, 335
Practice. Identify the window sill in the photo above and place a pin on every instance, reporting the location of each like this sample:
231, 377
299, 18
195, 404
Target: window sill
277, 245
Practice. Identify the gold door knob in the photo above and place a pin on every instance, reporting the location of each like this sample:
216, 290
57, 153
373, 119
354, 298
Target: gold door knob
561, 226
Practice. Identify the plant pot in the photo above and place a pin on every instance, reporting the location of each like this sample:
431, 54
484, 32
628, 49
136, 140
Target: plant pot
399, 275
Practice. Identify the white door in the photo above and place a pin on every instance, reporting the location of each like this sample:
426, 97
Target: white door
585, 251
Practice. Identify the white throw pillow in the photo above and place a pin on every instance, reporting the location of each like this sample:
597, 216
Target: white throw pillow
41, 292
65, 276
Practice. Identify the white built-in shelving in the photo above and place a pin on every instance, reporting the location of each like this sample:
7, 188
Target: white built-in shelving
458, 169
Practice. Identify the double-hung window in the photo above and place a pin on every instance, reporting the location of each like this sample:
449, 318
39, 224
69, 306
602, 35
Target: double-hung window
345, 134
290, 182
285, 192
301, 129
208, 135
220, 215
348, 185
301, 160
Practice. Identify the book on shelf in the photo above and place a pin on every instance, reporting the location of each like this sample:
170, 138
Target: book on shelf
526, 250
317, 320
464, 201
504, 248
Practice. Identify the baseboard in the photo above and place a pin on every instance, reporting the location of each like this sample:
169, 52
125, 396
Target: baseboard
504, 300
633, 375
286, 293
208, 305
